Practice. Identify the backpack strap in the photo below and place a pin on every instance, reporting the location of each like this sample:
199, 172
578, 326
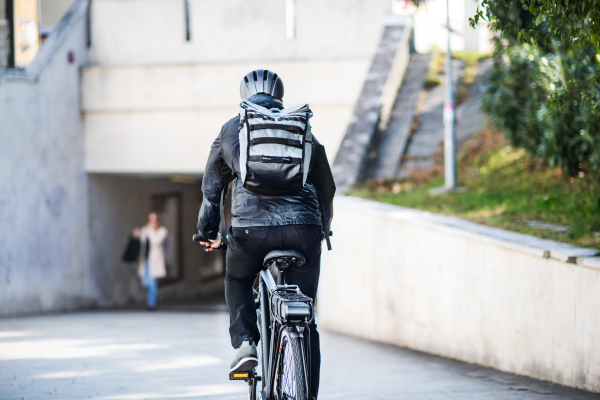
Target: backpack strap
276, 140
283, 127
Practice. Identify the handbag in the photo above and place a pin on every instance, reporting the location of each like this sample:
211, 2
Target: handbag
132, 251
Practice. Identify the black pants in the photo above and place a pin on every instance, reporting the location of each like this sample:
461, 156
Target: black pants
246, 250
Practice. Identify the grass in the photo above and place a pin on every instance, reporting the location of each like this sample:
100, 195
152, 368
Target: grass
506, 188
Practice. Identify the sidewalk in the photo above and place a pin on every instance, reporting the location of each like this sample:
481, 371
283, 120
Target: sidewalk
185, 355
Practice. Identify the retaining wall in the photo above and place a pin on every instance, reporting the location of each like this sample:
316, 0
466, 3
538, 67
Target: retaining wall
43, 186
458, 289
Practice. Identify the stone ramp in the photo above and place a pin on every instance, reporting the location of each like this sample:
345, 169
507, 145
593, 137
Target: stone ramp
392, 142
128, 355
374, 103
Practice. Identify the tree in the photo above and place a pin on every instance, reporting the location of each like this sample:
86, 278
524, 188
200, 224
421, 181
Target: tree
515, 100
559, 26
544, 91
571, 21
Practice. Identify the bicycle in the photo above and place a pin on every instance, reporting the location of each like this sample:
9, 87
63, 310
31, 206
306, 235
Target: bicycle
284, 347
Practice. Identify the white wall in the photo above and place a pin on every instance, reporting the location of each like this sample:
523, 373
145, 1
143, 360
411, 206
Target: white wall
164, 118
52, 11
461, 290
44, 242
154, 102
148, 32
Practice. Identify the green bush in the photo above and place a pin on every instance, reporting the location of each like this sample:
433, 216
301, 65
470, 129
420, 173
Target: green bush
524, 77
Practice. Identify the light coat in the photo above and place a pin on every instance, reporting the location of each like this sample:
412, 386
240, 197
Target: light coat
156, 255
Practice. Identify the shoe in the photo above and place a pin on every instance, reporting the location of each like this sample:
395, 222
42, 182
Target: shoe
245, 358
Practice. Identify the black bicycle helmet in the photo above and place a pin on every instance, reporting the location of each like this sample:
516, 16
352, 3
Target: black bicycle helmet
261, 81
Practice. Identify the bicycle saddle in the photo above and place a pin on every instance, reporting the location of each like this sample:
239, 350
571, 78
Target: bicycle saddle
284, 258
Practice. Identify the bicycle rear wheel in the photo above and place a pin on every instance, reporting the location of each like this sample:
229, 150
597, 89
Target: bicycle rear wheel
264, 321
252, 395
262, 358
290, 378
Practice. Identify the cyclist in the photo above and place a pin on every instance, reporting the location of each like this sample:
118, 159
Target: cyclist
262, 223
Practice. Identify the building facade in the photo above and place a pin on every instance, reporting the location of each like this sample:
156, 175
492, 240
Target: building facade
115, 117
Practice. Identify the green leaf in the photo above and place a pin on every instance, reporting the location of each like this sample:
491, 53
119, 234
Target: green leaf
539, 19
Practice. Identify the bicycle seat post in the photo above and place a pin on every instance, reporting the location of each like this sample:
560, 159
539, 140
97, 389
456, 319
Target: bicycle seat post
283, 259
281, 275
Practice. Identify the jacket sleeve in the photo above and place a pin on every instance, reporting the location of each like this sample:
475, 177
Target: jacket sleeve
217, 174
321, 177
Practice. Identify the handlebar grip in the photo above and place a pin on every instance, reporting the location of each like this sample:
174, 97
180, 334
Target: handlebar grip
198, 238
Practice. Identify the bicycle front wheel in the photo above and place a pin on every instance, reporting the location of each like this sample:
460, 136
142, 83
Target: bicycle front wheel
290, 378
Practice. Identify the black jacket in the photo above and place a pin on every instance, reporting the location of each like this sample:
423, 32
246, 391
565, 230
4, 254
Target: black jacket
313, 205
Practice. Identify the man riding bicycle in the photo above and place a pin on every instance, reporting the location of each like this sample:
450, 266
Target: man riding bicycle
282, 218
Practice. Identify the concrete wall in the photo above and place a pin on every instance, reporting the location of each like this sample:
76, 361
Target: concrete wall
44, 243
52, 11
117, 205
458, 289
150, 32
163, 119
149, 94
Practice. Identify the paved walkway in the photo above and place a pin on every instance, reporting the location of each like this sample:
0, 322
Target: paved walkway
185, 355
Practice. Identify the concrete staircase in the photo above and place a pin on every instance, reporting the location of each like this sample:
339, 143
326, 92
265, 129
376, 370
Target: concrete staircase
386, 158
379, 141
427, 140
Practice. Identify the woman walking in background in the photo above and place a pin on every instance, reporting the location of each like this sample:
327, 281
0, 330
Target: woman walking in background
152, 260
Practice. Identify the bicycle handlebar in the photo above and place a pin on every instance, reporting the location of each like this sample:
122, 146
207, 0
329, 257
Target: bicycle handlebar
198, 238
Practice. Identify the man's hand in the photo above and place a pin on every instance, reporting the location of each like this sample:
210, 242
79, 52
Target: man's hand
212, 244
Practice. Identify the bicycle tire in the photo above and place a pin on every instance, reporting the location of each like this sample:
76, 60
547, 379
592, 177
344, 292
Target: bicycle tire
261, 351
265, 333
252, 390
290, 379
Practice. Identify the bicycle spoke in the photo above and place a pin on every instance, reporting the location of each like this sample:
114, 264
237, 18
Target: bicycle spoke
289, 374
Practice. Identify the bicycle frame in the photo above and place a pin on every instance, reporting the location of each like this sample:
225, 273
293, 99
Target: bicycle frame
285, 311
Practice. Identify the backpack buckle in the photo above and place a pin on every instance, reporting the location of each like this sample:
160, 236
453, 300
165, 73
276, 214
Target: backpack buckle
274, 159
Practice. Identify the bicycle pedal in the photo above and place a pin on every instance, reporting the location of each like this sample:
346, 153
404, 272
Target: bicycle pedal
240, 376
